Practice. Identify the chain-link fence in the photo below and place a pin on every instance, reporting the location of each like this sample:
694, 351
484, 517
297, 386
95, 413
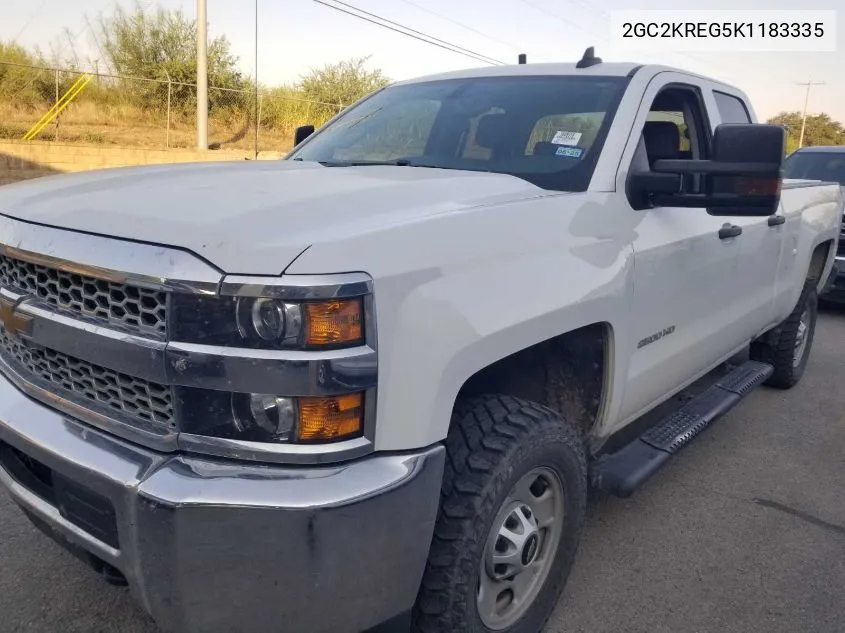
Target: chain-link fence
138, 112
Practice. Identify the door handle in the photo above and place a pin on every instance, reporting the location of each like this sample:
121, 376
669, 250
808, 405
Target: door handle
776, 220
729, 230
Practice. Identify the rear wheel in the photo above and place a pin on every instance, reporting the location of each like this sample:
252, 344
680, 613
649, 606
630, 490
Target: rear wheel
512, 506
788, 348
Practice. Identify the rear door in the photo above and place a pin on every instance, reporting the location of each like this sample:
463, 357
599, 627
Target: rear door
761, 241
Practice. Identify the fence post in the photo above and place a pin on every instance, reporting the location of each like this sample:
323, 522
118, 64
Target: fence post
257, 124
57, 101
167, 135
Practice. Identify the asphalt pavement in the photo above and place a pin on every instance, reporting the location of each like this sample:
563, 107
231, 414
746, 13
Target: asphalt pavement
745, 533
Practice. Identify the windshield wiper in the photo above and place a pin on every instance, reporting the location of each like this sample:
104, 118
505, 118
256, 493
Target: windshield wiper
366, 163
401, 162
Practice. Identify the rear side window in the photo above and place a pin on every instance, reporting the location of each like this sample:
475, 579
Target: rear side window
731, 109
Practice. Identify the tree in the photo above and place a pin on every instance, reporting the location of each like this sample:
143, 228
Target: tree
162, 46
820, 130
342, 83
20, 82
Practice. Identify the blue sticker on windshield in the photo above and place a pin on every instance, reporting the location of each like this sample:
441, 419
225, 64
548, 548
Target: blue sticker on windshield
570, 152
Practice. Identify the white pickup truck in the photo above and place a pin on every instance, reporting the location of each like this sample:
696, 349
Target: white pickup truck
367, 387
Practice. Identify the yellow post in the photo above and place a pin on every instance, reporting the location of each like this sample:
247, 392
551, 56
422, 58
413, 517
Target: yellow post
72, 92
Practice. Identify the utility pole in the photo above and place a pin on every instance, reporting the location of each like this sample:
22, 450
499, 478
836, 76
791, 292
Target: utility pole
257, 108
809, 85
202, 75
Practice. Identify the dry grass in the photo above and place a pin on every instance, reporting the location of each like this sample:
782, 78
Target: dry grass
115, 124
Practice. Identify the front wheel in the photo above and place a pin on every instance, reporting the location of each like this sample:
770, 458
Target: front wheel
511, 511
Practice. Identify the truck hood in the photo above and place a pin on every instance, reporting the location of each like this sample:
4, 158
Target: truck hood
251, 217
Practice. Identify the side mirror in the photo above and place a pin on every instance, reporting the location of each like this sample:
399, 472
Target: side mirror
302, 133
743, 179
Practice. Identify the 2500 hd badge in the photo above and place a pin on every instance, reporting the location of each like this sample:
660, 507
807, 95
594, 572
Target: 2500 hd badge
656, 336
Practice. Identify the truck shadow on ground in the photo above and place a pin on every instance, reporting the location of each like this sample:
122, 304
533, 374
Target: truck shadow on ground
16, 169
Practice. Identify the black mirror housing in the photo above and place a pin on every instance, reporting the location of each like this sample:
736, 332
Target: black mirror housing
302, 133
743, 179
749, 143
758, 151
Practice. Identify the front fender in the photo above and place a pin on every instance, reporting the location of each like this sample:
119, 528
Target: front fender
462, 290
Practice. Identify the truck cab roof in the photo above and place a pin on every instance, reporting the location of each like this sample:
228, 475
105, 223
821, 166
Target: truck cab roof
602, 69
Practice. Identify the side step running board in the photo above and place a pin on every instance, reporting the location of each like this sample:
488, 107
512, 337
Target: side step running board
624, 471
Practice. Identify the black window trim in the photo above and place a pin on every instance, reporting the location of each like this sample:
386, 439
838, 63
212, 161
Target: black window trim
704, 131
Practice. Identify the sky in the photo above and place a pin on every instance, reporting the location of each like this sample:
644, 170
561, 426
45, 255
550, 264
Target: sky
297, 35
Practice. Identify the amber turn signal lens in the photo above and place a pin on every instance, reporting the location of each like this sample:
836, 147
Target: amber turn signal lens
332, 418
749, 186
334, 322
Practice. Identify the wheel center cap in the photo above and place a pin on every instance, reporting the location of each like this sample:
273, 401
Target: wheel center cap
529, 550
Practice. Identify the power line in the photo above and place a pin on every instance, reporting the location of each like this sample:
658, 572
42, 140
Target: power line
404, 30
519, 49
542, 9
29, 21
454, 47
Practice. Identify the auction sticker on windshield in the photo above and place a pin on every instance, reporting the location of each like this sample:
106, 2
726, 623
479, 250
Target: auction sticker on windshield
563, 137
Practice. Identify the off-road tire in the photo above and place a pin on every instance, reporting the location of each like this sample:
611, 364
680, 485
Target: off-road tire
493, 441
778, 347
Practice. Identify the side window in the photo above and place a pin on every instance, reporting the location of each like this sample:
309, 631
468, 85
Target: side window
676, 129
679, 119
731, 109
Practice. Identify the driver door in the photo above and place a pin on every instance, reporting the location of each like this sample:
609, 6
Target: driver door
682, 311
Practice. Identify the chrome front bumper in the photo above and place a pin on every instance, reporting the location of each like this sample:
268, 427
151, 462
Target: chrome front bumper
211, 545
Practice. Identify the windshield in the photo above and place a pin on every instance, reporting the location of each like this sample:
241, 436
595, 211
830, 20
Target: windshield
826, 166
546, 129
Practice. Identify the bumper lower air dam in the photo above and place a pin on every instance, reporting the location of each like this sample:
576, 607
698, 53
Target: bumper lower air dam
210, 545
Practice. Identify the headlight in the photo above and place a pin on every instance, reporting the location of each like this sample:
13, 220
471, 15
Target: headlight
264, 361
268, 319
273, 415
270, 418
264, 322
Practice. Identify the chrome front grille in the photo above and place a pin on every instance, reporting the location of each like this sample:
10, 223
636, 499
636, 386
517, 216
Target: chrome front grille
83, 381
840, 250
115, 303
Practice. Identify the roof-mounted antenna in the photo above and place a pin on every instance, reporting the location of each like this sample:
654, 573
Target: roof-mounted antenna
589, 59
523, 59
